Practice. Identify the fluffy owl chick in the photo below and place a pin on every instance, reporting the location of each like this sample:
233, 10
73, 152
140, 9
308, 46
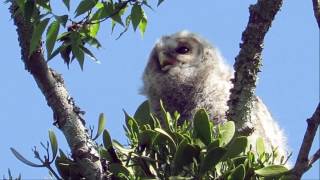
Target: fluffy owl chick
187, 74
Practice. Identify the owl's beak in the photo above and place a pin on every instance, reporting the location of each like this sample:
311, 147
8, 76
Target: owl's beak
166, 61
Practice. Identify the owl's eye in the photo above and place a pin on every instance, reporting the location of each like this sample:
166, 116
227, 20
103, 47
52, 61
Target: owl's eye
182, 50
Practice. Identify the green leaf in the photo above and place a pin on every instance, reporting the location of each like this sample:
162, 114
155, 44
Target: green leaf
29, 8
20, 3
89, 53
79, 54
136, 15
271, 171
24, 160
36, 35
142, 114
184, 156
159, 2
75, 47
239, 160
260, 146
236, 147
55, 52
44, 4
101, 125
84, 6
52, 33
116, 168
131, 124
123, 150
163, 136
214, 144
107, 139
67, 4
62, 19
238, 173
146, 137
212, 158
227, 131
202, 128
117, 16
93, 29
143, 24
165, 116
105, 154
53, 143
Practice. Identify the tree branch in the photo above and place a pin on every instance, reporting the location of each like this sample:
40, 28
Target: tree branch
316, 10
248, 62
302, 162
67, 115
314, 158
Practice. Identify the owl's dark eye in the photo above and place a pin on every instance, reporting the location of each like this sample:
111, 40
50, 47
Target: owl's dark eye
182, 50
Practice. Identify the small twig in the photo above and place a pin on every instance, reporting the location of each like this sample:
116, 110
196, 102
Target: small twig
53, 172
316, 10
314, 158
123, 5
302, 162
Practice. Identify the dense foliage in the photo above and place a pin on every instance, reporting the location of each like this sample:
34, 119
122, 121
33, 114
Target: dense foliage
81, 27
163, 149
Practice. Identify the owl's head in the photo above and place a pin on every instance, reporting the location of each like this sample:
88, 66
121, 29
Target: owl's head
183, 59
180, 50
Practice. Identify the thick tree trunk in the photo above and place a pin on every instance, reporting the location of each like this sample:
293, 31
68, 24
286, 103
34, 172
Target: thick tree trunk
67, 115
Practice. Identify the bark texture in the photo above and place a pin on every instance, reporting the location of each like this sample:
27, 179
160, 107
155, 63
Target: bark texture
67, 115
316, 10
303, 163
248, 62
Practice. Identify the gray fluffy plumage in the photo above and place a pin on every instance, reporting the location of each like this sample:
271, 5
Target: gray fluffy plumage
187, 74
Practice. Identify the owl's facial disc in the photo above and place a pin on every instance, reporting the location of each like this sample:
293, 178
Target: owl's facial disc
166, 61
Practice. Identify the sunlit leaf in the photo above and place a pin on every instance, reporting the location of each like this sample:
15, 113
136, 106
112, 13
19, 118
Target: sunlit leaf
93, 29
53, 143
143, 24
270, 171
101, 125
260, 146
227, 131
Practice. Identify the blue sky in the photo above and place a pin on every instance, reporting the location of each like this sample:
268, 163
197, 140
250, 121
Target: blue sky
289, 81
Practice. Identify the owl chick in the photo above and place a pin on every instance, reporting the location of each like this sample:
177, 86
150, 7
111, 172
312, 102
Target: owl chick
187, 74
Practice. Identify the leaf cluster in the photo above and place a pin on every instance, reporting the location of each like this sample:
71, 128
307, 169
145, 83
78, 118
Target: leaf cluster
81, 28
159, 148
